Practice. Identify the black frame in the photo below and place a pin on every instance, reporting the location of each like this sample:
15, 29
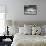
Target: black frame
26, 7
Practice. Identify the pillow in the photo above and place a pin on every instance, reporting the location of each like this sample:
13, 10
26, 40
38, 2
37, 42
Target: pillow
13, 30
44, 29
21, 30
24, 30
28, 26
28, 31
36, 30
44, 26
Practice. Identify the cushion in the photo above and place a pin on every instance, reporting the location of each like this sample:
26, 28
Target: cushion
36, 30
28, 31
24, 30
21, 30
28, 26
44, 29
13, 30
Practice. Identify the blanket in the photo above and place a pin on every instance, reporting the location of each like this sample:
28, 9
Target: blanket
29, 40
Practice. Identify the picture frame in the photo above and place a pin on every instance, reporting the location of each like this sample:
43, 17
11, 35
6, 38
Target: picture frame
30, 9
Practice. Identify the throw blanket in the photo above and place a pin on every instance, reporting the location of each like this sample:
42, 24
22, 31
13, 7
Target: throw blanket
29, 40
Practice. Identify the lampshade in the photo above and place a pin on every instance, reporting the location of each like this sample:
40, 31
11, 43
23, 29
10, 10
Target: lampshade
9, 22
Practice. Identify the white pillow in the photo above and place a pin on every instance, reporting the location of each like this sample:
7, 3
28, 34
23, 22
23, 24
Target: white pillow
36, 30
42, 30
28, 31
44, 27
21, 30
28, 26
13, 30
24, 30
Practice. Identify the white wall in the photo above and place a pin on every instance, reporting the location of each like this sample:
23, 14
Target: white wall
15, 9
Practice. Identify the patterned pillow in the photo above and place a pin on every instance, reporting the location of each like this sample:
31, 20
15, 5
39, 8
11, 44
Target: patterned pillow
36, 30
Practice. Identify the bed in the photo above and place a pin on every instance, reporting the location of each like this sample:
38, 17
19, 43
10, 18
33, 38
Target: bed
29, 40
24, 38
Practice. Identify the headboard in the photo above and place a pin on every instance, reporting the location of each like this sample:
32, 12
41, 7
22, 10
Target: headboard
21, 23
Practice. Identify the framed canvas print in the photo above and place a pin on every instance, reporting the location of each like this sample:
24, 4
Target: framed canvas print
30, 9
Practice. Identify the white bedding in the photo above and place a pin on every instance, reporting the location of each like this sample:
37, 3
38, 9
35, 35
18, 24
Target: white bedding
29, 40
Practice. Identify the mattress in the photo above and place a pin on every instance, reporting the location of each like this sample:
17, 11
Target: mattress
28, 40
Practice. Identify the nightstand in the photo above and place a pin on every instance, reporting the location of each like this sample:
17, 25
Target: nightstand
6, 40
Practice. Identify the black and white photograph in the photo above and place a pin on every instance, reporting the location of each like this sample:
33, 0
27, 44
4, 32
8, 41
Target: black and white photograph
30, 9
22, 22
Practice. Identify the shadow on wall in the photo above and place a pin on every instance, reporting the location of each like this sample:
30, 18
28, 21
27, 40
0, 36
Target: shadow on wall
21, 23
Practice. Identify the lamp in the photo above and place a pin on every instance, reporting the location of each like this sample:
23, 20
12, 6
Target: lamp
8, 23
